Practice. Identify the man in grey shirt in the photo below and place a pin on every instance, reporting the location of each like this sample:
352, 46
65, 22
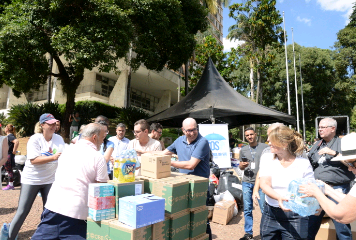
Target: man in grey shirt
250, 162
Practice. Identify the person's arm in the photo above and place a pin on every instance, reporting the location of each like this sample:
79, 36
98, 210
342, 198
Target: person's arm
190, 165
256, 188
342, 212
242, 165
76, 119
16, 145
266, 185
5, 149
45, 159
108, 153
70, 118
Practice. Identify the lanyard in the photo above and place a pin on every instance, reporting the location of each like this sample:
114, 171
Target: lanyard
253, 155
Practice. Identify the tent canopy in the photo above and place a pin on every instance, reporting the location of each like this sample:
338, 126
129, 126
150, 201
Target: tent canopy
213, 97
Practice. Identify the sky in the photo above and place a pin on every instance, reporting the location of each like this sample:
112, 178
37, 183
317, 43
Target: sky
315, 23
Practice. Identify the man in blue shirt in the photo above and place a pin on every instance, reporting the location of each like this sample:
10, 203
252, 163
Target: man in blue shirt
192, 149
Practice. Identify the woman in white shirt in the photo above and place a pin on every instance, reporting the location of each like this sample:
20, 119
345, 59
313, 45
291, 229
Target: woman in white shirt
283, 166
343, 210
43, 151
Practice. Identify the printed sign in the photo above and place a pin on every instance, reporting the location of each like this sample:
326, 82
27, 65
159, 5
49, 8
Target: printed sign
217, 135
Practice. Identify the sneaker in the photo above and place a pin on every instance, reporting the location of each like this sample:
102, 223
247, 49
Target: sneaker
8, 187
247, 237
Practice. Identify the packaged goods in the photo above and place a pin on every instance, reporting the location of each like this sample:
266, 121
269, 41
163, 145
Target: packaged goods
198, 187
174, 191
303, 206
223, 212
99, 203
98, 230
101, 190
126, 189
125, 166
198, 220
161, 230
122, 231
141, 210
155, 165
104, 214
179, 225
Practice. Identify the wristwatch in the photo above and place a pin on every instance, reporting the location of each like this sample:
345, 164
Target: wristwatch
336, 153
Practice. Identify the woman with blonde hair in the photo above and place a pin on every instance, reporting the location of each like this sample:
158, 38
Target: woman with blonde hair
43, 150
283, 166
10, 163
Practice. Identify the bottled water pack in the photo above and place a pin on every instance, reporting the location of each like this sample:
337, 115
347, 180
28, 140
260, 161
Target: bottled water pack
303, 206
4, 235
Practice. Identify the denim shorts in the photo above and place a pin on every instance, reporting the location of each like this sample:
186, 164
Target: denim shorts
277, 224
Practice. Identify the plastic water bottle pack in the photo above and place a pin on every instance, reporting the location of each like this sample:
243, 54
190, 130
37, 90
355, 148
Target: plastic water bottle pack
4, 235
303, 206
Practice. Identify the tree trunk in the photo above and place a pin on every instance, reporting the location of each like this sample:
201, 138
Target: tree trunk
49, 82
258, 86
251, 80
186, 76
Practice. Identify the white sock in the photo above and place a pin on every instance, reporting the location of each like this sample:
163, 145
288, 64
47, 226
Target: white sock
11, 184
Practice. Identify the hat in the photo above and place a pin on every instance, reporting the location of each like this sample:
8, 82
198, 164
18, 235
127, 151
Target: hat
47, 118
348, 148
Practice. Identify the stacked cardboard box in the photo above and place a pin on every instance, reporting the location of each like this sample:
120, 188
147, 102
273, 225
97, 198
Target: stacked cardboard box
101, 201
126, 189
223, 212
198, 219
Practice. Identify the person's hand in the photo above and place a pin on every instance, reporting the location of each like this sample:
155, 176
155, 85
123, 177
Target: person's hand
255, 197
243, 165
326, 150
328, 188
352, 169
318, 211
57, 155
139, 153
280, 202
309, 190
112, 160
14, 152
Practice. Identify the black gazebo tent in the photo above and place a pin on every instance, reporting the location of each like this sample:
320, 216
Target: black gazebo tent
213, 97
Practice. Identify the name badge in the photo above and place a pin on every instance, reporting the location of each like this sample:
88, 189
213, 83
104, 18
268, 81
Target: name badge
253, 165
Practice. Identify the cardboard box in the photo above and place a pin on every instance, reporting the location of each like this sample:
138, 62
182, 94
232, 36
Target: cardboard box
327, 230
141, 210
198, 187
123, 232
99, 203
198, 220
98, 230
174, 191
179, 225
155, 165
236, 155
161, 230
223, 212
177, 174
104, 214
126, 189
101, 189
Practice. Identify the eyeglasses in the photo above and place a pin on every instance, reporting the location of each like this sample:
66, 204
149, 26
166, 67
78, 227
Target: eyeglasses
136, 132
191, 130
159, 132
321, 127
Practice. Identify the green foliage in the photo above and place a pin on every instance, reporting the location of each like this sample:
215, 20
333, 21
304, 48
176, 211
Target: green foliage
174, 133
91, 109
91, 34
130, 115
225, 63
3, 119
25, 116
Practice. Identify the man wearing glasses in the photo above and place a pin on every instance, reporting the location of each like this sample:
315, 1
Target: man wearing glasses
156, 133
192, 149
333, 173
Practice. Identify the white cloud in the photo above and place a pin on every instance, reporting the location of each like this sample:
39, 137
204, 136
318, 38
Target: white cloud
231, 44
304, 20
338, 5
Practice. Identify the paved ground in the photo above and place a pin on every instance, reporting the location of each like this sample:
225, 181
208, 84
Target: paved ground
9, 200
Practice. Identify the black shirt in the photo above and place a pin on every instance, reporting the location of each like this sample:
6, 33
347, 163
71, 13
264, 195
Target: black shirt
10, 138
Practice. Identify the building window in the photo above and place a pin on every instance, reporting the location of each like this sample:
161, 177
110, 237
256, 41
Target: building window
104, 85
143, 100
39, 95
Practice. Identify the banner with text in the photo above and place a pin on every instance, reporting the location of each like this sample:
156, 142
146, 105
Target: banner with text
218, 137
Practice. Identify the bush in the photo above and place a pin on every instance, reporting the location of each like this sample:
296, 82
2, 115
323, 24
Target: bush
130, 115
25, 116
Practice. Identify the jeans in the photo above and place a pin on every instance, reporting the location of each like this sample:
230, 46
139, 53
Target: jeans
247, 190
343, 231
277, 224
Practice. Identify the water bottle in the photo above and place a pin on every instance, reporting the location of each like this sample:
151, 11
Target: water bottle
5, 231
303, 206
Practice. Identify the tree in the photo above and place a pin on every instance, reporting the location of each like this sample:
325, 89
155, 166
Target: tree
93, 33
257, 24
225, 63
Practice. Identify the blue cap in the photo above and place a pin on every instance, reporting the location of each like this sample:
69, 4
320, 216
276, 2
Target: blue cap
47, 118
